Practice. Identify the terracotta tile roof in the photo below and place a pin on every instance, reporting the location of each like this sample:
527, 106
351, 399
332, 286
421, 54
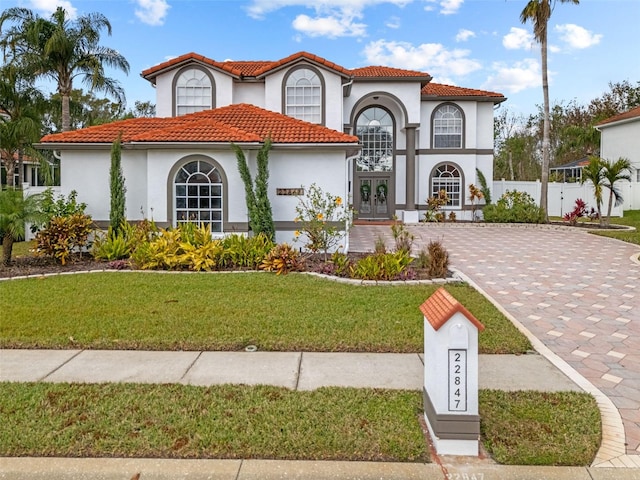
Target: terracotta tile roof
633, 113
234, 123
240, 68
307, 56
441, 306
440, 90
386, 72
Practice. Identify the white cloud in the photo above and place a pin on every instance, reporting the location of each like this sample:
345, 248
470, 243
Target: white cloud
433, 58
47, 7
330, 26
450, 7
152, 12
447, 7
258, 8
393, 22
577, 37
517, 38
515, 78
464, 35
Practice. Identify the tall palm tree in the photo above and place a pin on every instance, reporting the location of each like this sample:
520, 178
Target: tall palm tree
15, 211
538, 13
613, 172
63, 50
594, 173
22, 107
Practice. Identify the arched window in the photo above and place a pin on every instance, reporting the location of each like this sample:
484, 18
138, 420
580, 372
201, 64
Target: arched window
198, 194
447, 127
447, 177
374, 128
193, 92
303, 95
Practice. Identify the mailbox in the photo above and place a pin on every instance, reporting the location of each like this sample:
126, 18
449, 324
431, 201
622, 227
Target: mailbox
451, 375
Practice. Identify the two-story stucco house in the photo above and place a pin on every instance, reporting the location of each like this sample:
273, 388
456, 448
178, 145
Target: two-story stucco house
384, 138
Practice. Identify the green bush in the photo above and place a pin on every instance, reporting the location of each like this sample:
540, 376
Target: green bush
514, 207
382, 266
240, 251
63, 235
112, 246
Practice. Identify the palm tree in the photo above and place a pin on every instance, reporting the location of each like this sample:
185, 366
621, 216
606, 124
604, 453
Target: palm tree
594, 172
63, 50
15, 211
613, 172
539, 12
21, 123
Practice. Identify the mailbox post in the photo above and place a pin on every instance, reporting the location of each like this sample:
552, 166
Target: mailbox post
451, 375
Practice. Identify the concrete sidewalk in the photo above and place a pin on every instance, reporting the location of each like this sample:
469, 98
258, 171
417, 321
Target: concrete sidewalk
294, 370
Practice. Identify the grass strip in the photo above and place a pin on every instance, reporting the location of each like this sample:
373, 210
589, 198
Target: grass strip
156, 311
179, 421
540, 428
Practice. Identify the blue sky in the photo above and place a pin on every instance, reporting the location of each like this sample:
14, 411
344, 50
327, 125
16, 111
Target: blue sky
469, 43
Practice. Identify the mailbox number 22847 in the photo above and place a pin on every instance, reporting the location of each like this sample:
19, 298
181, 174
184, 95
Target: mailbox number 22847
457, 380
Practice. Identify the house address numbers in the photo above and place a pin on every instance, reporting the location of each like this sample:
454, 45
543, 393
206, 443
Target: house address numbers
457, 380
292, 192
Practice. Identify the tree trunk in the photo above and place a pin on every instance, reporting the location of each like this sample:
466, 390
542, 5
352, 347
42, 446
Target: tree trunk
7, 247
609, 207
66, 115
511, 165
544, 177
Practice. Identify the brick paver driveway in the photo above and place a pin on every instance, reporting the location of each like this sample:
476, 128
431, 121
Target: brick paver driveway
578, 293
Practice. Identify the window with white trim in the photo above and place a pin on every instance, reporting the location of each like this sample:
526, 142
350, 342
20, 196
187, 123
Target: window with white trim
197, 189
447, 177
303, 95
193, 92
447, 127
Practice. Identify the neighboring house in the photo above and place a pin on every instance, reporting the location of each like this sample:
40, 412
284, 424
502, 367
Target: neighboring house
620, 137
569, 172
384, 138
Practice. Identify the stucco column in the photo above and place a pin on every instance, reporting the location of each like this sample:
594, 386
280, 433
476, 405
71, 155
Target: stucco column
410, 132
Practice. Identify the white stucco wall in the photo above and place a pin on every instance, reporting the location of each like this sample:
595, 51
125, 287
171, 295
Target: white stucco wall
478, 123
398, 97
251, 93
621, 140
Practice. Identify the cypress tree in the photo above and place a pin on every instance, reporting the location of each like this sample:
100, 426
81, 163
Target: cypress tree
117, 186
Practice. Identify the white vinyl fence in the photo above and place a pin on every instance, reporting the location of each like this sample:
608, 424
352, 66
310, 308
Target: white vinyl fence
562, 196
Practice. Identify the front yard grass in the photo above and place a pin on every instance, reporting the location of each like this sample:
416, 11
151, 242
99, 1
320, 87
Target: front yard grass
179, 421
632, 219
228, 311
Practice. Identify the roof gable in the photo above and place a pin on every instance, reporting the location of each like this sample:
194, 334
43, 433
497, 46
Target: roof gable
233, 123
441, 306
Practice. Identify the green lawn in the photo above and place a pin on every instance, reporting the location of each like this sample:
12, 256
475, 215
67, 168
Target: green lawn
179, 421
632, 219
228, 311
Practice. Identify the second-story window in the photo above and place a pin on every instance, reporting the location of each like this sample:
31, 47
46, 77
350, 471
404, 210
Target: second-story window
303, 95
447, 127
193, 92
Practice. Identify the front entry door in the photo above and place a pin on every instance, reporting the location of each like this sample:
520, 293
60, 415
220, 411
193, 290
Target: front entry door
374, 197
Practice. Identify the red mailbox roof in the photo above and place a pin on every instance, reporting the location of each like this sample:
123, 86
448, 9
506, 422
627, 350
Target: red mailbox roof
441, 306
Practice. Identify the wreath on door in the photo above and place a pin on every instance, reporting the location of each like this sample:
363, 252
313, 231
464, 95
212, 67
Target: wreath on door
381, 192
365, 191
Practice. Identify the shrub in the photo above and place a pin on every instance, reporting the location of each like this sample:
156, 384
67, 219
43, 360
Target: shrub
438, 264
63, 235
434, 204
381, 266
379, 245
514, 207
282, 259
112, 246
321, 217
403, 238
240, 251
579, 210
161, 253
